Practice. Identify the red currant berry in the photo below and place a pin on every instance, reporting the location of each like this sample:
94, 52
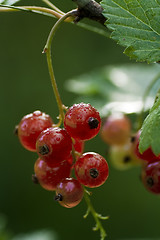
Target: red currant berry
30, 128
50, 175
82, 121
147, 155
151, 177
54, 145
91, 169
69, 192
116, 129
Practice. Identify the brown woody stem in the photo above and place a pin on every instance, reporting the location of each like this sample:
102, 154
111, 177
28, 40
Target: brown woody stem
89, 9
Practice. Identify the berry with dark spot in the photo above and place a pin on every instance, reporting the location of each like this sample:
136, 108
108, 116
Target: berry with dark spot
123, 157
82, 121
91, 169
54, 145
69, 192
151, 177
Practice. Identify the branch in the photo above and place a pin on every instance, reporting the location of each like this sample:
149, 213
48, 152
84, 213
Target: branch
89, 9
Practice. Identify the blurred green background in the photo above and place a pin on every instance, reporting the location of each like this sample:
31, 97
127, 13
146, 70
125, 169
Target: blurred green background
25, 87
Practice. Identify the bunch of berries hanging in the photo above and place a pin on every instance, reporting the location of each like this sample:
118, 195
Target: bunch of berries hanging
60, 152
124, 150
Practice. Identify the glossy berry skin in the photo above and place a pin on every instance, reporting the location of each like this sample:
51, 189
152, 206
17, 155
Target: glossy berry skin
50, 175
91, 169
151, 177
147, 155
30, 128
82, 121
54, 145
69, 192
116, 129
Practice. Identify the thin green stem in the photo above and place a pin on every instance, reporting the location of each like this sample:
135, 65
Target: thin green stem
47, 50
55, 27
54, 85
32, 9
51, 13
146, 93
53, 6
95, 215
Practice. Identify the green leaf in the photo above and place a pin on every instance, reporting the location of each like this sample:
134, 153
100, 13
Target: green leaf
150, 134
115, 88
8, 2
135, 24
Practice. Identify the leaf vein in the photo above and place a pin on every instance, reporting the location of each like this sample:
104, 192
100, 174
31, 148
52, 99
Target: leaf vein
147, 50
134, 16
128, 26
140, 39
143, 12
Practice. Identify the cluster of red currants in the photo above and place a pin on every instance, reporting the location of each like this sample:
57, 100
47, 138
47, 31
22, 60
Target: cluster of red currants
60, 152
124, 150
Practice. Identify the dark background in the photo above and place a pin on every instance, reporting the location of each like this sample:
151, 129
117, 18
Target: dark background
25, 87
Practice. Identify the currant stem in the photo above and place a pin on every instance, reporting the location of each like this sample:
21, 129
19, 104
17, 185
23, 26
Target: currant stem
47, 50
55, 27
95, 215
33, 9
146, 93
51, 13
53, 6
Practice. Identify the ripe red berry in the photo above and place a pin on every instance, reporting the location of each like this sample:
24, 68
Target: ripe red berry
50, 175
30, 128
116, 129
82, 121
151, 177
91, 169
69, 192
54, 145
147, 155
